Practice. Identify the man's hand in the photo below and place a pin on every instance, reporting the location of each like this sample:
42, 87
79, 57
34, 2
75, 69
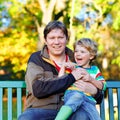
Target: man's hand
86, 87
81, 73
77, 73
86, 76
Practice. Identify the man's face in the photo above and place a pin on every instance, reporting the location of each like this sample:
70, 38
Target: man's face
56, 42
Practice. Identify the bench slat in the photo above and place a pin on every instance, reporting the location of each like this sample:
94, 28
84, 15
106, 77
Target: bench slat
10, 103
118, 102
1, 103
102, 110
110, 101
19, 101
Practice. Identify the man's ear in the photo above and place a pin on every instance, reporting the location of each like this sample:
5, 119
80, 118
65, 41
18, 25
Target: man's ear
92, 57
45, 42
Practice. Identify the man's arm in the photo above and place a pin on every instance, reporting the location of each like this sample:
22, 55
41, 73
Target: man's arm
90, 88
86, 87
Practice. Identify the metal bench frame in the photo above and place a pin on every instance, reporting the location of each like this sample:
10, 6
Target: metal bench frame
19, 85
111, 86
9, 85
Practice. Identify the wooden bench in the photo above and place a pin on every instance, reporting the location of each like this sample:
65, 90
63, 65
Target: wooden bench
112, 102
19, 85
9, 86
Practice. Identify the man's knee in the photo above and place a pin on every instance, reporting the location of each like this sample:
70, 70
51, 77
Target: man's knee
25, 117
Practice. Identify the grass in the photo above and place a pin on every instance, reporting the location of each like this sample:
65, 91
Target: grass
115, 114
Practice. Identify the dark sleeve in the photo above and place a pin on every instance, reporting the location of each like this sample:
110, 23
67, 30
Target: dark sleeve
99, 96
46, 88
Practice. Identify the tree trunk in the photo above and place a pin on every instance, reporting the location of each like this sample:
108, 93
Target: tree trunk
46, 18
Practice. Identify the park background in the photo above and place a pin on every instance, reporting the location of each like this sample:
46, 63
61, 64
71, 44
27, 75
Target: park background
22, 23
21, 32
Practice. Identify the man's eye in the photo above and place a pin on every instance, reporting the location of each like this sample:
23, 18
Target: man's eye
61, 37
52, 38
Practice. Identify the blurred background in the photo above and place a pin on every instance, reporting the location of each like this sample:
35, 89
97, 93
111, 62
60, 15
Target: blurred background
22, 23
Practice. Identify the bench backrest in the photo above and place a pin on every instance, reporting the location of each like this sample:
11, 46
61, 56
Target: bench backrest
112, 101
19, 85
10, 85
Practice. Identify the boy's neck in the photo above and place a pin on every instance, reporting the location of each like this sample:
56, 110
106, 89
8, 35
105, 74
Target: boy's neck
84, 67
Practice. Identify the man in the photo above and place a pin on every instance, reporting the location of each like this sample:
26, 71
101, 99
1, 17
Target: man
45, 89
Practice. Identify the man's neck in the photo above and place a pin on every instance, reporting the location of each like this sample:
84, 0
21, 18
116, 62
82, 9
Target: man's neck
58, 59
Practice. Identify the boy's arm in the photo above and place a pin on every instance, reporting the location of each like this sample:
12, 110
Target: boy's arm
97, 84
99, 80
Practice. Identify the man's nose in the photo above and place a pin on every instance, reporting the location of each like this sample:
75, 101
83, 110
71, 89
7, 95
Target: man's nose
56, 40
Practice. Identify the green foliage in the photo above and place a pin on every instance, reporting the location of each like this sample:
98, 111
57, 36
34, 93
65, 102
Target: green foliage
117, 59
21, 37
107, 36
17, 42
15, 52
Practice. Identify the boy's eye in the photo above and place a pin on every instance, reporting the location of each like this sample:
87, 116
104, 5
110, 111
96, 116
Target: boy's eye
82, 51
79, 51
76, 51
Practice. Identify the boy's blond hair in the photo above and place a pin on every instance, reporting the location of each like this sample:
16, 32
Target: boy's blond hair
89, 44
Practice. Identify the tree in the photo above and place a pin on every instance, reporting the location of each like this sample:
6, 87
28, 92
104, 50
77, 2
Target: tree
25, 30
103, 26
24, 33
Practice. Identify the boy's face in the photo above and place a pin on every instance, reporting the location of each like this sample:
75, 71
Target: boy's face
82, 56
56, 42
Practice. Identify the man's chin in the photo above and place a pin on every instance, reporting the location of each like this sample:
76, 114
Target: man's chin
58, 53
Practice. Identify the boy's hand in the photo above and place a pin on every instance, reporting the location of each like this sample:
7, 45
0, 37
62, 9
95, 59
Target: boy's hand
69, 65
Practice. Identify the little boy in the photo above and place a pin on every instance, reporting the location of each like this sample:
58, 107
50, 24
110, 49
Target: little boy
85, 51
